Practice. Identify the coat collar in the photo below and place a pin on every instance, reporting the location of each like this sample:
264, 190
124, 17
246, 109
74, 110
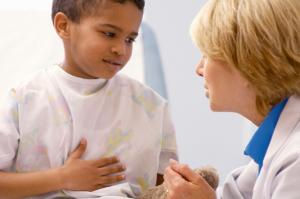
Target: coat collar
287, 122
260, 141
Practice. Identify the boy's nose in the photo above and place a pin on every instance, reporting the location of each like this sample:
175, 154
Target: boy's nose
119, 49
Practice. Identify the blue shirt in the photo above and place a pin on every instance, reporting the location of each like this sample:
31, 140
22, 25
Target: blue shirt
260, 141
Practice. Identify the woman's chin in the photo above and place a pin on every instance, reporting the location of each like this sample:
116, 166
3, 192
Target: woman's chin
214, 107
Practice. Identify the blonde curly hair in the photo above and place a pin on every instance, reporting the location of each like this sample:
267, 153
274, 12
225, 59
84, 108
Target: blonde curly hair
261, 38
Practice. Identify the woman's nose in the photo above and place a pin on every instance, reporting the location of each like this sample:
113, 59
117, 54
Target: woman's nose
199, 69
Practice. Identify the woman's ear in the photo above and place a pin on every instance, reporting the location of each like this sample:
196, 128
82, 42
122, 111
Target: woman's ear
62, 25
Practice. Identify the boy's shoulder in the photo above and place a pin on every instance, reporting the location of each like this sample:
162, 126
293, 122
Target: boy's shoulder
35, 81
134, 86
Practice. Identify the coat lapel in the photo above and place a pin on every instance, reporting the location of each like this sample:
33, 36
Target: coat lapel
288, 120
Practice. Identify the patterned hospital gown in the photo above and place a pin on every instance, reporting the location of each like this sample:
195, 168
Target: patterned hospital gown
45, 117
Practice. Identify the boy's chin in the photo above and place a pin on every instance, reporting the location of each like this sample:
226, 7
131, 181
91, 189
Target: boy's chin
107, 76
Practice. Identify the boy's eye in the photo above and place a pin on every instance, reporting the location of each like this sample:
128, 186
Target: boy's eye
109, 34
130, 40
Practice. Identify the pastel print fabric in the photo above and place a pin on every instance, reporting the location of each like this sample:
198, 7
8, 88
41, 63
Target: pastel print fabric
46, 116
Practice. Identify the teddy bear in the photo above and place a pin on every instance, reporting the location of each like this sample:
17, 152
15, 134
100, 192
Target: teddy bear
159, 192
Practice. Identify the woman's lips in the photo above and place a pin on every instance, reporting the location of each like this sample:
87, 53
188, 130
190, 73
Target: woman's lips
206, 91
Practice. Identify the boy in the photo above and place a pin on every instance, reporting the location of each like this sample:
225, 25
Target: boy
70, 126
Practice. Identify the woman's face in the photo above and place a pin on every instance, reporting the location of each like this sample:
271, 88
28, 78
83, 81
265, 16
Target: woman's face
225, 87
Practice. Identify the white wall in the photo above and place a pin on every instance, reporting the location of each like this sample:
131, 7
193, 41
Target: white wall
203, 137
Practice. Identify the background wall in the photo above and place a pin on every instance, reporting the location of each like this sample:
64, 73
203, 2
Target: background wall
203, 137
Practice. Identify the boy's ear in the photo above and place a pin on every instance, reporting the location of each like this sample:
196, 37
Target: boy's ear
62, 25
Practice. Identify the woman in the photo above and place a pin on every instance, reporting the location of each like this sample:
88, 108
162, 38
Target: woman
251, 66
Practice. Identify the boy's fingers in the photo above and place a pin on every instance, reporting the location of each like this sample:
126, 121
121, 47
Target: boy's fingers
106, 161
111, 169
79, 151
108, 180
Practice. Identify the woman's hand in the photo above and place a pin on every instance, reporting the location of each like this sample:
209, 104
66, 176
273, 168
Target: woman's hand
183, 183
90, 175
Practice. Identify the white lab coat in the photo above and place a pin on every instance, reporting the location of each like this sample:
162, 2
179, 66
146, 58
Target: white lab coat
279, 177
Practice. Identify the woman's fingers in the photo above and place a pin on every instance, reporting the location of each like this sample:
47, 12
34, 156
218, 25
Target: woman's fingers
172, 178
179, 187
183, 182
187, 173
175, 184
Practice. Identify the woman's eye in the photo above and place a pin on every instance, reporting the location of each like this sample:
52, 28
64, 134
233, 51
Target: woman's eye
130, 40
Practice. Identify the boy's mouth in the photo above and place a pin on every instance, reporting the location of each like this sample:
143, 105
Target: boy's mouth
117, 63
114, 65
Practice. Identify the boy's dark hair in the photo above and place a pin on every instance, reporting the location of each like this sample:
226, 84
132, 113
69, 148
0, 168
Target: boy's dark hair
75, 9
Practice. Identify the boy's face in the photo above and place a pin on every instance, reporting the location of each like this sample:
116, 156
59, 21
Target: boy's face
100, 45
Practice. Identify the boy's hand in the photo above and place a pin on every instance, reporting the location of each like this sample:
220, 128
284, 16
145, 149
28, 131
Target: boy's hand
90, 175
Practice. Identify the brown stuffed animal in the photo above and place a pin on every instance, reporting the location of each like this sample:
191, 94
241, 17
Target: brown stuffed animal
159, 192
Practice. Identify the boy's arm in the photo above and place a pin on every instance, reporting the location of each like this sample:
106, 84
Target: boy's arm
20, 185
76, 174
16, 185
169, 145
159, 179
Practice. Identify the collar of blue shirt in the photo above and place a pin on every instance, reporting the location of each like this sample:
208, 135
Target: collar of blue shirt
260, 141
